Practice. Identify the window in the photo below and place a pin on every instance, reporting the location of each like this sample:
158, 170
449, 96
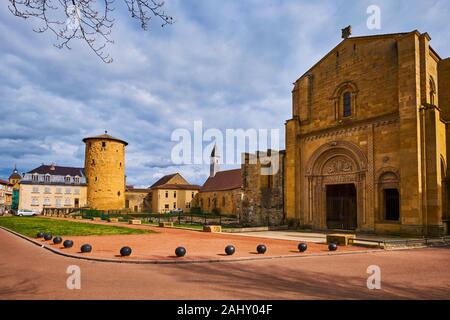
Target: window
67, 179
392, 204
223, 201
77, 179
127, 204
93, 162
167, 194
174, 205
188, 205
118, 193
68, 202
35, 189
174, 194
35, 177
47, 190
193, 195
103, 145
47, 202
59, 190
68, 190
347, 104
77, 191
58, 202
34, 201
209, 202
47, 178
166, 206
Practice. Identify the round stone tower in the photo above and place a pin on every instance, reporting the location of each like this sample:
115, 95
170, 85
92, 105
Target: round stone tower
104, 168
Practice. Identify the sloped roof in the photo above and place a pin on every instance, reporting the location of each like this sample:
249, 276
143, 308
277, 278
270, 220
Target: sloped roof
224, 180
58, 170
369, 37
163, 180
178, 187
4, 182
105, 136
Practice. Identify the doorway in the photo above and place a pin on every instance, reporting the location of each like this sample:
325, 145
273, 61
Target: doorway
341, 207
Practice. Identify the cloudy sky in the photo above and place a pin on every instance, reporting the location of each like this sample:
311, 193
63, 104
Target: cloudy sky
230, 64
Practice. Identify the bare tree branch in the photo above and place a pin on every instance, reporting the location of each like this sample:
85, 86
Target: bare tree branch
86, 20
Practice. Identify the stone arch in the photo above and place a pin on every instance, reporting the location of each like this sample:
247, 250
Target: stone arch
343, 149
332, 164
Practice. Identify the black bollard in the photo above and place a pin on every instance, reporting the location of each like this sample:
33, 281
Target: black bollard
230, 250
261, 249
57, 240
332, 247
125, 251
85, 248
302, 247
68, 244
180, 252
40, 235
48, 236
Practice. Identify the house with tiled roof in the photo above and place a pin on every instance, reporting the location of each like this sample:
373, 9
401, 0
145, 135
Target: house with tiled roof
223, 191
172, 192
52, 186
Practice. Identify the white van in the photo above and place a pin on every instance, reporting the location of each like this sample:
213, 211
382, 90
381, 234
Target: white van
26, 213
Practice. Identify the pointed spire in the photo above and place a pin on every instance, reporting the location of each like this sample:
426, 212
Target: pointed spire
214, 165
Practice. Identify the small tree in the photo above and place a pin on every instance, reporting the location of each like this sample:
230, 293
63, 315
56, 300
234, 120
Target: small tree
86, 20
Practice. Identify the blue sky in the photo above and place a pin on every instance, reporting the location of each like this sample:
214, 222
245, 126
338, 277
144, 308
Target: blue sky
228, 63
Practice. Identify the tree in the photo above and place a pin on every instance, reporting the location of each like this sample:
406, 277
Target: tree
86, 20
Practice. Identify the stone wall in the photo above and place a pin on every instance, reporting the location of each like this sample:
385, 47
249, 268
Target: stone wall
105, 172
263, 189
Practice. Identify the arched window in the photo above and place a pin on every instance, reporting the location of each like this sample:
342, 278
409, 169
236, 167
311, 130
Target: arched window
347, 104
432, 92
345, 99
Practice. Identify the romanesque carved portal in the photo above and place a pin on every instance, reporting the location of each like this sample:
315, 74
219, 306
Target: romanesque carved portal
336, 177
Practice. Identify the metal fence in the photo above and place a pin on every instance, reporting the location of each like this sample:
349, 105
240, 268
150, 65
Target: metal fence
177, 218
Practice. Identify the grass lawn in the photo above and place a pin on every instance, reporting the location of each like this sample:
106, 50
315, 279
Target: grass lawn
30, 226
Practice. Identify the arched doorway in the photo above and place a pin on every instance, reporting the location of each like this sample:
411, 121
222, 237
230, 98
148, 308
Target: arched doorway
336, 178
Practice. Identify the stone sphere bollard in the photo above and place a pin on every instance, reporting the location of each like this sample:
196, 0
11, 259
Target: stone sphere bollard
125, 251
57, 240
302, 247
40, 235
48, 236
68, 244
332, 247
261, 249
180, 252
85, 248
230, 250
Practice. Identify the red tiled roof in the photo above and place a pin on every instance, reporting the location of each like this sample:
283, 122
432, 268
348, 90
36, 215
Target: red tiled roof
163, 180
224, 180
3, 181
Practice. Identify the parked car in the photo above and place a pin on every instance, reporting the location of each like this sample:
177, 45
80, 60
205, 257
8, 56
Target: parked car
176, 211
26, 213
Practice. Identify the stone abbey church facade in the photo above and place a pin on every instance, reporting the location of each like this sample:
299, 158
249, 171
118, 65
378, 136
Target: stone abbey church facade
366, 148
